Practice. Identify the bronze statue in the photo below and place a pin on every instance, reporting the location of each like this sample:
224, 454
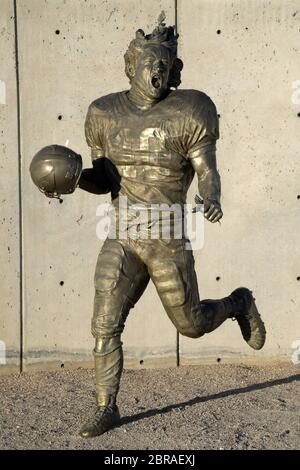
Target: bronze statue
146, 144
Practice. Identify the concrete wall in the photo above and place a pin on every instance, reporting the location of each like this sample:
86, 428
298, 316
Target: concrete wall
71, 52
9, 195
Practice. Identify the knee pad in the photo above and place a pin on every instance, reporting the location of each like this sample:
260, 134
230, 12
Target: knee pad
108, 268
169, 284
191, 331
107, 345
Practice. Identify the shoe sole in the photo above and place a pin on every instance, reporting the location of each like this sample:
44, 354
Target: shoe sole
258, 335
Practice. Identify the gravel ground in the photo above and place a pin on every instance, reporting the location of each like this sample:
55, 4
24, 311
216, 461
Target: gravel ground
190, 407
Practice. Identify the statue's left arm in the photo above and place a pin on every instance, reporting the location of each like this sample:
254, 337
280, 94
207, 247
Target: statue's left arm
209, 184
204, 132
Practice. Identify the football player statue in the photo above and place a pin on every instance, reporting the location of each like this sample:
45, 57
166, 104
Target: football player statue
146, 145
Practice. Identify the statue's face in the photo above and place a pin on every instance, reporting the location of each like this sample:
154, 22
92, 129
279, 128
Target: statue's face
152, 72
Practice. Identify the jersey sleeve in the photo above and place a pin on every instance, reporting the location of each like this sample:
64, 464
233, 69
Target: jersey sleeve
201, 128
94, 131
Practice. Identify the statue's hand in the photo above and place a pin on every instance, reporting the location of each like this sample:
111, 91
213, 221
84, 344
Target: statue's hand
212, 210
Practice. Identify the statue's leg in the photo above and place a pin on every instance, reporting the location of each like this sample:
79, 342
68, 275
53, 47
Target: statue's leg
172, 271
120, 279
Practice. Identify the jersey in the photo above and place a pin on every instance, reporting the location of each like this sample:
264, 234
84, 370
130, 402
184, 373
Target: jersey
152, 150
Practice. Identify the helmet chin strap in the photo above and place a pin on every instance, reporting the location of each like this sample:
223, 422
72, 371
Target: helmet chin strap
51, 195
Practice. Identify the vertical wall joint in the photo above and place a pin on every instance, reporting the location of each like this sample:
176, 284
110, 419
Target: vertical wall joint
19, 189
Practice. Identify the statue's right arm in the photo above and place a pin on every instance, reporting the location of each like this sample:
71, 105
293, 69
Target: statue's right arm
95, 180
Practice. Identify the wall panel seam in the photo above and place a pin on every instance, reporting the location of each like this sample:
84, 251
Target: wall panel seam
177, 333
19, 190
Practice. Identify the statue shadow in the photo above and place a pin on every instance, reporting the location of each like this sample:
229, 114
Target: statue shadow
204, 399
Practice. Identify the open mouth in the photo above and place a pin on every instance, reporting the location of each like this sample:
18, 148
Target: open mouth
156, 81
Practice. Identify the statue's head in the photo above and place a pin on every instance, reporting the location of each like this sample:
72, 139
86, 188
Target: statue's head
151, 62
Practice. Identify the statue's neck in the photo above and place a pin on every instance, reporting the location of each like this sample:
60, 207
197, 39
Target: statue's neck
140, 100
